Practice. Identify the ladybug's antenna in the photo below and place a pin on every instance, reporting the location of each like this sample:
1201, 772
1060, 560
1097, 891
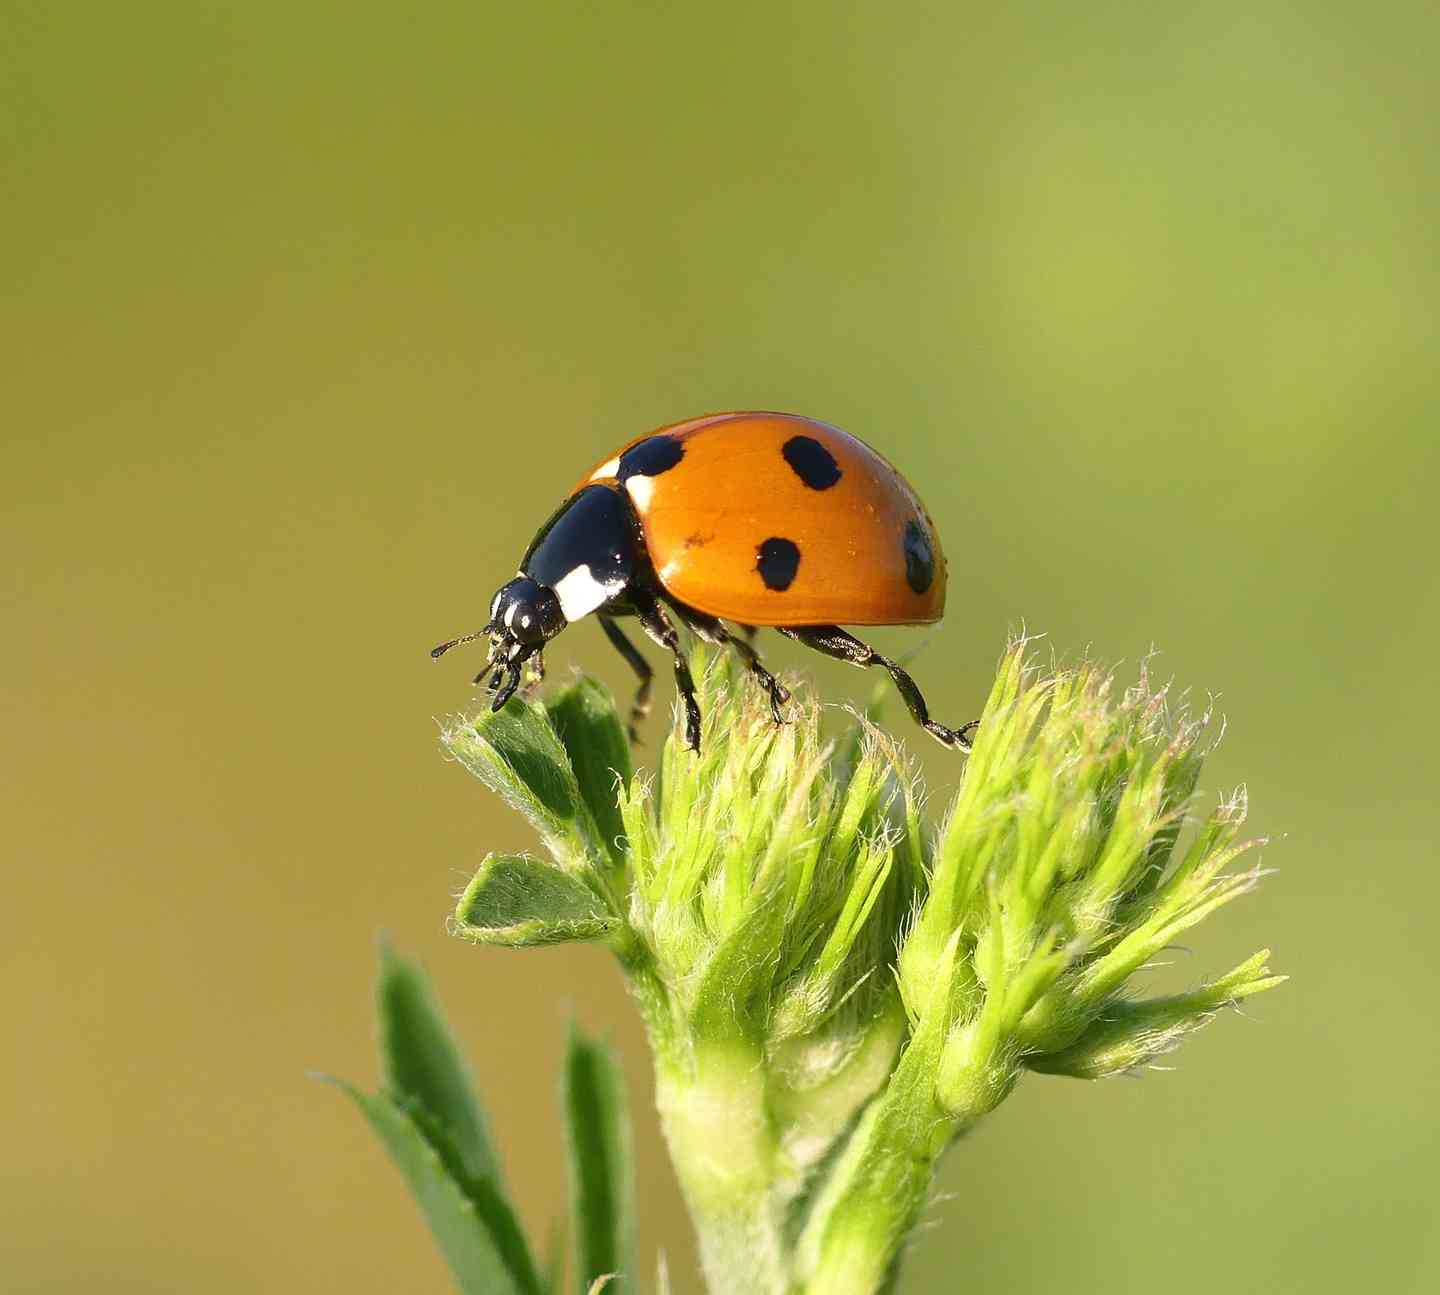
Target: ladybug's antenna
438, 652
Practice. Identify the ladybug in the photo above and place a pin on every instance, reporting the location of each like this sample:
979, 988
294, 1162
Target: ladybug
759, 519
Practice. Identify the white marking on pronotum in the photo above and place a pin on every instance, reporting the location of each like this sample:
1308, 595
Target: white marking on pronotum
606, 470
510, 614
641, 489
580, 593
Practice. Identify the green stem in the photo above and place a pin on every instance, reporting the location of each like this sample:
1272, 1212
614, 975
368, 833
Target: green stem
880, 1183
880, 1188
748, 1148
713, 1111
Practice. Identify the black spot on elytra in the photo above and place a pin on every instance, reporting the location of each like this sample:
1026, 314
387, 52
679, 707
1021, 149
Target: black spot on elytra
777, 560
812, 462
919, 558
654, 455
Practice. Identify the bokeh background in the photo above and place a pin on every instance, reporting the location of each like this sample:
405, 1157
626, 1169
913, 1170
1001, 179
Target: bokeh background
308, 313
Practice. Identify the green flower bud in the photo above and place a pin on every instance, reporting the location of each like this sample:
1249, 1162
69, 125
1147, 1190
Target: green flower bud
834, 991
1129, 1034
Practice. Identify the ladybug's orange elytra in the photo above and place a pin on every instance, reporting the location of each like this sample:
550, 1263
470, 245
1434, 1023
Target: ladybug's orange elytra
866, 550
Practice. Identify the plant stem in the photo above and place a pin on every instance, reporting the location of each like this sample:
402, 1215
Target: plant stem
865, 1225
714, 1114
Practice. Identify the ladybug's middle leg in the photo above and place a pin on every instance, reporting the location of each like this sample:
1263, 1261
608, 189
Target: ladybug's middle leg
641, 705
657, 625
713, 631
835, 642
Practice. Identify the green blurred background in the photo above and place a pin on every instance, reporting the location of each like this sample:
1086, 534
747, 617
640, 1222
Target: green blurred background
311, 310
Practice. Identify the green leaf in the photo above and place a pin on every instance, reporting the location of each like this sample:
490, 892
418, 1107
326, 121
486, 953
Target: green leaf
517, 754
602, 1186
470, 1218
515, 901
584, 717
423, 1067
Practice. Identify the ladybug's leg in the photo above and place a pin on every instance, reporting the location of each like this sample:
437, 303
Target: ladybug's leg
505, 692
490, 660
713, 631
657, 625
536, 672
833, 641
774, 689
641, 706
510, 670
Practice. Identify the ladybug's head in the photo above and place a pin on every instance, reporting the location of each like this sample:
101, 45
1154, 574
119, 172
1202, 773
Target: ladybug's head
524, 615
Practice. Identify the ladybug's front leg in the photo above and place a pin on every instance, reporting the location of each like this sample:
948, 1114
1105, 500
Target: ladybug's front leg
657, 625
509, 670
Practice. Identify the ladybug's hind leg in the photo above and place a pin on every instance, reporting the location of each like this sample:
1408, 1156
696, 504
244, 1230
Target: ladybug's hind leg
713, 631
657, 625
835, 642
641, 705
